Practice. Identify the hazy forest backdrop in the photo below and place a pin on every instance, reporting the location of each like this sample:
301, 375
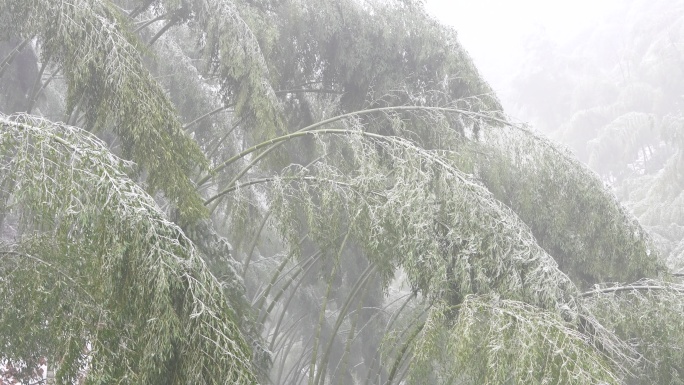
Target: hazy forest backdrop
328, 192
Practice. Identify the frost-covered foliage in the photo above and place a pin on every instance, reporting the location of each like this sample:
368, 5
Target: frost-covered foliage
97, 278
593, 238
374, 217
486, 345
648, 314
410, 208
107, 82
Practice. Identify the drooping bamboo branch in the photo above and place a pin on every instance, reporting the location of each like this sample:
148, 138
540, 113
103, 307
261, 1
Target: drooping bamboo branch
153, 20
80, 196
275, 142
208, 114
636, 287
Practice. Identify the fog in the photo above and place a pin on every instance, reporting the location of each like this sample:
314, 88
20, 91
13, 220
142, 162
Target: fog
603, 78
497, 33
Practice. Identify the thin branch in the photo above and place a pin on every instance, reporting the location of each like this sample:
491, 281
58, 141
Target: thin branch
308, 90
140, 9
208, 114
278, 141
402, 352
313, 373
10, 57
286, 305
37, 87
223, 139
631, 288
163, 30
252, 246
342, 314
174, 18
271, 179
42, 87
304, 270
145, 24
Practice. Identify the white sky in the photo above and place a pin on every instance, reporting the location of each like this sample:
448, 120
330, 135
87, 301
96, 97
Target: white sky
492, 31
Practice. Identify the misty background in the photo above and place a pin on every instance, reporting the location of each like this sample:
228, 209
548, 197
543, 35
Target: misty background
605, 78
501, 35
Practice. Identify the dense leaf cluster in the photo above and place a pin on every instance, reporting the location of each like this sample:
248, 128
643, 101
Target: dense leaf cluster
374, 218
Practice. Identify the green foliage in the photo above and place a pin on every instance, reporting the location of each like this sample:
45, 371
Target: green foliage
365, 51
108, 82
450, 248
648, 314
497, 341
570, 212
232, 51
408, 233
99, 279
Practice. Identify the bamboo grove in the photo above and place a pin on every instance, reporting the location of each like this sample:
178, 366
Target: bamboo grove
300, 192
